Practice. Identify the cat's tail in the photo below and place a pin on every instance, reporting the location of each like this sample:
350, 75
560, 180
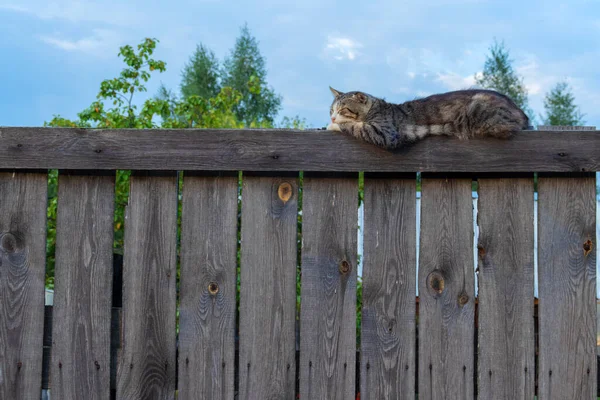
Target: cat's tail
498, 116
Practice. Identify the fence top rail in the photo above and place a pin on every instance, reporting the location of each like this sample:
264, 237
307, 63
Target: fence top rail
289, 150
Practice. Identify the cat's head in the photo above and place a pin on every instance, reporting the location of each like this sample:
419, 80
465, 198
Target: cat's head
350, 106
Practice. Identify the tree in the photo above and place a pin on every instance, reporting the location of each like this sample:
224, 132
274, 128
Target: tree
200, 76
194, 111
560, 107
245, 64
498, 74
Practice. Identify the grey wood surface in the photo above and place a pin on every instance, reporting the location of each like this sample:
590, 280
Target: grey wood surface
567, 288
147, 359
22, 269
506, 347
446, 290
80, 367
281, 150
208, 287
388, 344
267, 363
328, 294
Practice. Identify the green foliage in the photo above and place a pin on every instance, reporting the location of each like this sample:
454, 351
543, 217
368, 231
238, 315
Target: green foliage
293, 123
499, 74
560, 107
122, 112
244, 70
200, 76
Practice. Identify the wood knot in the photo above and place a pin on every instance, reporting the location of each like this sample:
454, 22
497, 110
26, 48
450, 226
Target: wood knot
344, 267
213, 288
480, 251
463, 299
284, 192
97, 364
19, 365
435, 283
8, 243
587, 247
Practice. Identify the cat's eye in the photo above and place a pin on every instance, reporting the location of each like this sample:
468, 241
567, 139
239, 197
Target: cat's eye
347, 113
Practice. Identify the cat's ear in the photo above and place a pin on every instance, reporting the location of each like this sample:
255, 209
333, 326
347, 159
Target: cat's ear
360, 97
336, 93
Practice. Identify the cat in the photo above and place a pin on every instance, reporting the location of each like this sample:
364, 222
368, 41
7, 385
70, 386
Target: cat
463, 114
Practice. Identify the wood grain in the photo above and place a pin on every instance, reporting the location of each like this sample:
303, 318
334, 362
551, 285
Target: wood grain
388, 310
268, 288
567, 288
505, 252
328, 294
287, 150
80, 366
22, 266
147, 360
207, 313
446, 290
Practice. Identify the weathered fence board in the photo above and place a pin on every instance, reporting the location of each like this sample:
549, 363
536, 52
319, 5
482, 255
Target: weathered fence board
446, 290
22, 266
268, 288
208, 287
147, 359
567, 288
80, 367
328, 294
506, 365
287, 150
388, 307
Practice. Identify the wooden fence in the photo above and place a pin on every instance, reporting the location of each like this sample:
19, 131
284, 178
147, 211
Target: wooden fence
269, 350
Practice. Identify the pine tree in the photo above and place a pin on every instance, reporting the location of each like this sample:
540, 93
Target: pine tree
244, 70
200, 76
499, 74
560, 107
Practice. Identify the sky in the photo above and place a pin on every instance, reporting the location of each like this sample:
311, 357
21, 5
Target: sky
54, 54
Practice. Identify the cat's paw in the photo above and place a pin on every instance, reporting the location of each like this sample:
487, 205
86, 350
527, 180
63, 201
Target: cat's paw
333, 127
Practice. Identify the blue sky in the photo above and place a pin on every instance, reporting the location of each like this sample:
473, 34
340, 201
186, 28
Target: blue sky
53, 54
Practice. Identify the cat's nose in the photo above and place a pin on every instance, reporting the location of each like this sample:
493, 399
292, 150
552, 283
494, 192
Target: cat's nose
333, 119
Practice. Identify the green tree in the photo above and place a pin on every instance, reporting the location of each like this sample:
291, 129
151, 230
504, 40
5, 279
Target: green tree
499, 74
246, 65
200, 76
115, 108
560, 107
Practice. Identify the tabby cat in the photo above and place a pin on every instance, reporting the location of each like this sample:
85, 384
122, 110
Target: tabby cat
463, 114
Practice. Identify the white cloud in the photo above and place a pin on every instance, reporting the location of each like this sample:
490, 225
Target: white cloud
101, 40
454, 81
111, 12
342, 48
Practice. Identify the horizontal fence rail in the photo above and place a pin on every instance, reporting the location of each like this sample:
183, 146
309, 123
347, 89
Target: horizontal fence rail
288, 150
250, 290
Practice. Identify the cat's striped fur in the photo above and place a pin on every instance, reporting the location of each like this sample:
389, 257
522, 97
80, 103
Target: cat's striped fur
463, 114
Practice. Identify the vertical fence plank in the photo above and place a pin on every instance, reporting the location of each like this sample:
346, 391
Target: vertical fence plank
388, 308
208, 287
80, 366
23, 198
446, 290
328, 295
567, 288
268, 288
147, 360
506, 348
